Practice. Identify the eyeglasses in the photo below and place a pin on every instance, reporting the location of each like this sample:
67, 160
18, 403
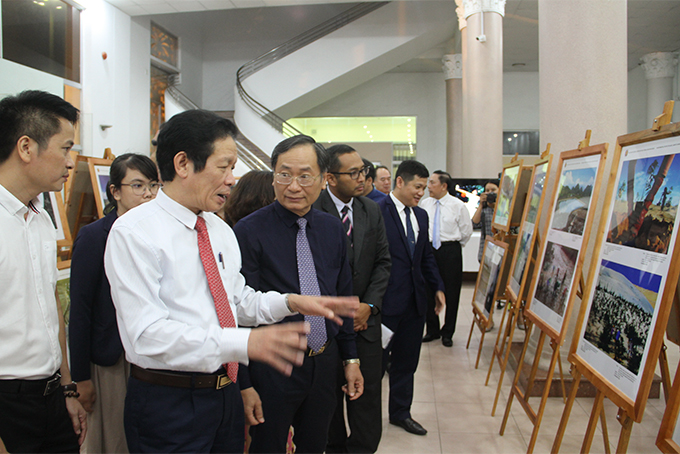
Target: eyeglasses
355, 173
140, 188
285, 178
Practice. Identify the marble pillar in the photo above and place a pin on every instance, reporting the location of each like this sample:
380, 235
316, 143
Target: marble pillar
453, 74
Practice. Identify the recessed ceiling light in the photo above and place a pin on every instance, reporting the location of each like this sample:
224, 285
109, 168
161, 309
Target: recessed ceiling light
509, 139
514, 135
365, 126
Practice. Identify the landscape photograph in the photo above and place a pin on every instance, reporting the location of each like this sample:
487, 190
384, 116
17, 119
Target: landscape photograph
556, 275
573, 198
646, 203
536, 191
506, 193
621, 313
522, 256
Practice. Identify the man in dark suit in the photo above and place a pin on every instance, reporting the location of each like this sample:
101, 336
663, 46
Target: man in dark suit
369, 188
290, 247
369, 258
405, 301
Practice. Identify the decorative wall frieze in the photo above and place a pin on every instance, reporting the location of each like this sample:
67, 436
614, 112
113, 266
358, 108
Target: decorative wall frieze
452, 66
658, 65
483, 6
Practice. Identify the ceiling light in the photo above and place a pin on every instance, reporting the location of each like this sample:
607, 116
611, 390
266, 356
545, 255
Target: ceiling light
365, 126
509, 139
514, 135
408, 120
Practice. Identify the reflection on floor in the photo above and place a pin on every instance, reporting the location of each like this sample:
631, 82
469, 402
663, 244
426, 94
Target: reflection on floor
453, 404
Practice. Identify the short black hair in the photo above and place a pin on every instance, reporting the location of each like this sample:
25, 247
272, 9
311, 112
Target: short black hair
494, 181
301, 139
119, 168
33, 113
410, 169
371, 169
444, 178
194, 132
334, 154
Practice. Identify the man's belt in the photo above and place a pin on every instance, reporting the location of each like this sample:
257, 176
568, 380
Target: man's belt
175, 380
44, 386
311, 352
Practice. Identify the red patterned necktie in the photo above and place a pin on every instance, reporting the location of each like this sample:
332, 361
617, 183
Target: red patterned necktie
224, 314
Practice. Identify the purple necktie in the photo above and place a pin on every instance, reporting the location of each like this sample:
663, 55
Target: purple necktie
309, 285
347, 224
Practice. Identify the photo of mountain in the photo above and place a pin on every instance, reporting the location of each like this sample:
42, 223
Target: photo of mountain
621, 313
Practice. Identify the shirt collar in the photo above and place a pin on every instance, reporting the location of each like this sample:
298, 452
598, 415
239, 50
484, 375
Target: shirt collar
339, 204
176, 210
14, 205
397, 203
289, 218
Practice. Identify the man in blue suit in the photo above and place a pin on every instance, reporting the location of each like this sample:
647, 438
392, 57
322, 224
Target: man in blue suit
405, 301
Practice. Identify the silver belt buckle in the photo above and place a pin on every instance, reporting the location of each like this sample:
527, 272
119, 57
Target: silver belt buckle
52, 385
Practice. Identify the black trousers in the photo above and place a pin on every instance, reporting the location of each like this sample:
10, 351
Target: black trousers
449, 259
306, 400
364, 415
31, 422
168, 419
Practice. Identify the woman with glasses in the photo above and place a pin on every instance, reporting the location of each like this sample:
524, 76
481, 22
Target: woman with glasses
97, 359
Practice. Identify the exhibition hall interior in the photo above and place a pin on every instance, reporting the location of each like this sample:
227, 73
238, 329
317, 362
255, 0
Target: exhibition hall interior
473, 88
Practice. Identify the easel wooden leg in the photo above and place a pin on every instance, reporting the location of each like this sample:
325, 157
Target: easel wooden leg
534, 367
567, 411
564, 388
501, 341
512, 317
592, 422
605, 432
472, 328
626, 429
515, 381
544, 396
481, 342
665, 372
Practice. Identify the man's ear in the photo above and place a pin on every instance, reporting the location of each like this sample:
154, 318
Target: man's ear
399, 182
183, 165
331, 179
27, 148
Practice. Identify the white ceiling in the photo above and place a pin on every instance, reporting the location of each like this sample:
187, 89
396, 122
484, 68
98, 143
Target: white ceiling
653, 26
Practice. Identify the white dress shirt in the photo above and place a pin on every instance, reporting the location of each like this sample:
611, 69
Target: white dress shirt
454, 219
165, 311
339, 205
402, 215
29, 321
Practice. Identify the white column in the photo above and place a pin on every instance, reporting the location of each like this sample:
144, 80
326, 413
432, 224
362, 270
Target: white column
453, 73
659, 69
583, 84
483, 88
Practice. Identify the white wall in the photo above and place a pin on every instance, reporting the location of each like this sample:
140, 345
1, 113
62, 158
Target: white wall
637, 102
520, 101
15, 78
418, 94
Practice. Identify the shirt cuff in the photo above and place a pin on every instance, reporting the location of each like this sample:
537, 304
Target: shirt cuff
236, 342
277, 306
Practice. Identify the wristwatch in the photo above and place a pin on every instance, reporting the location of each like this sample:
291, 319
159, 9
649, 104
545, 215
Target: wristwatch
374, 310
356, 361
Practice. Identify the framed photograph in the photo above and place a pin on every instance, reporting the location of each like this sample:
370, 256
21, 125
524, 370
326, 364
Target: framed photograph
560, 262
64, 288
526, 237
632, 282
99, 172
487, 289
53, 204
507, 194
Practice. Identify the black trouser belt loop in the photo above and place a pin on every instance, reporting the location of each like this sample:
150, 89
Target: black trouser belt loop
43, 386
176, 380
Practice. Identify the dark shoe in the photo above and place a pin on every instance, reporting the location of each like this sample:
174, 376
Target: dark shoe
447, 342
430, 337
410, 426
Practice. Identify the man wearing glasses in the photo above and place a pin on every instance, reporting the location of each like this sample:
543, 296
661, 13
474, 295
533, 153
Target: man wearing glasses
289, 247
369, 257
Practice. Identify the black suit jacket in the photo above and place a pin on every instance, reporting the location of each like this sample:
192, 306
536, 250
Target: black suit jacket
93, 330
409, 275
370, 256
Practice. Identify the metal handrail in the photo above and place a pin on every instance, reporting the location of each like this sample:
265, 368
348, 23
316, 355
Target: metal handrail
247, 157
288, 48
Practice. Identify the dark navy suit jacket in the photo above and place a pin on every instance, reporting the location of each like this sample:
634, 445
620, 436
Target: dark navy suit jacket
409, 275
93, 330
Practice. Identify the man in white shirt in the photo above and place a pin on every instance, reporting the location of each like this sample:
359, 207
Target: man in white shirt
39, 410
450, 229
174, 268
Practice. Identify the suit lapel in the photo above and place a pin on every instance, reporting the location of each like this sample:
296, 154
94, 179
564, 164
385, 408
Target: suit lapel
359, 225
329, 207
400, 226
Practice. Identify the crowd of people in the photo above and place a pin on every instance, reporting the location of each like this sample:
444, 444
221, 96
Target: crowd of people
204, 312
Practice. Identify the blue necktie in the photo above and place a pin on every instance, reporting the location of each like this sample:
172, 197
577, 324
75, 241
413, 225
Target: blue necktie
436, 235
410, 236
309, 285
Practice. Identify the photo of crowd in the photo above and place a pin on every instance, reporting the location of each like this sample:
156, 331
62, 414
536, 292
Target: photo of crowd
556, 275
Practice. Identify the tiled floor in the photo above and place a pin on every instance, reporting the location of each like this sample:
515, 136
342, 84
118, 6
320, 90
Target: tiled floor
452, 403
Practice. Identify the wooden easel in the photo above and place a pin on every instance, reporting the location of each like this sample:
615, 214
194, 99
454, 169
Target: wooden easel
514, 303
631, 409
556, 338
503, 234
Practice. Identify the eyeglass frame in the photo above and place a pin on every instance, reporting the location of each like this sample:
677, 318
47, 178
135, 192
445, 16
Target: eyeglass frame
365, 170
146, 186
297, 178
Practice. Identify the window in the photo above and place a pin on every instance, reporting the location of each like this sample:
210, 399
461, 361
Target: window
42, 34
522, 142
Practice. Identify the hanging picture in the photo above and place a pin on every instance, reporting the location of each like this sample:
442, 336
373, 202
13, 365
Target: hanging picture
633, 278
560, 260
528, 226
